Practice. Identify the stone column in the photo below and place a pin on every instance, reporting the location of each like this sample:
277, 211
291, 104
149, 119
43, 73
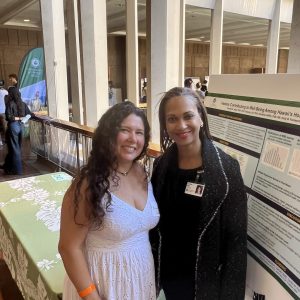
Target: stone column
94, 49
216, 36
182, 43
163, 59
55, 58
273, 40
75, 61
132, 58
294, 53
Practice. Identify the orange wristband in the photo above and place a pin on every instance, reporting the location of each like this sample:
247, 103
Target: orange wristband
87, 291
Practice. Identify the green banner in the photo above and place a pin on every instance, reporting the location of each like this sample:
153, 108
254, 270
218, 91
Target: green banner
32, 82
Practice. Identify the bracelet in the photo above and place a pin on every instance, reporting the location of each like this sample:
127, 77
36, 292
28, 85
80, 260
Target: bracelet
87, 291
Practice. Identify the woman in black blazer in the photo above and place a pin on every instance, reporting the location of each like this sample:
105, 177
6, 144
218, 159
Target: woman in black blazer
200, 241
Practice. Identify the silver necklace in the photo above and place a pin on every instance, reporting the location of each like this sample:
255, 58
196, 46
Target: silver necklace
124, 173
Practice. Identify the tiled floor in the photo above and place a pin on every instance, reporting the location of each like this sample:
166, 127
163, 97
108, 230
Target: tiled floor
32, 165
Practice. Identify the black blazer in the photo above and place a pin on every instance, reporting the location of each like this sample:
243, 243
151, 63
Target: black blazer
222, 237
11, 111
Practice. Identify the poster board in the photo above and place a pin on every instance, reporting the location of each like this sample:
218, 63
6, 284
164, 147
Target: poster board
263, 134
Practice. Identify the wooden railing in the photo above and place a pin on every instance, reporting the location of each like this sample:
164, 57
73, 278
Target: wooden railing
67, 144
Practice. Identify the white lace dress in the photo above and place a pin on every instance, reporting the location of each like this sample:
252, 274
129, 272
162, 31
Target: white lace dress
119, 255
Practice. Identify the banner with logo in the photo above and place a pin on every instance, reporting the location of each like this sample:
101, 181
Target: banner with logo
32, 82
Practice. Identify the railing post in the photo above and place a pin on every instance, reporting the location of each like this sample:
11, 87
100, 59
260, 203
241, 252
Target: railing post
77, 150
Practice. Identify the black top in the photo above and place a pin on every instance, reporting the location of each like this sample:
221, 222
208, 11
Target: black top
187, 207
11, 111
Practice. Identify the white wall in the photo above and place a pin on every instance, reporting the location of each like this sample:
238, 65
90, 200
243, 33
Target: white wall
272, 86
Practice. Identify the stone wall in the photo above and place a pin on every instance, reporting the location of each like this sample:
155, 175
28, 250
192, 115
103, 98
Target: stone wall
236, 59
14, 44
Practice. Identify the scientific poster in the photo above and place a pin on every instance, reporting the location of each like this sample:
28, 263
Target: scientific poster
264, 136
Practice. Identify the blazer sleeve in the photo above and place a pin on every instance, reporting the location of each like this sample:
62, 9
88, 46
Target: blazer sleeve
234, 218
27, 110
154, 233
154, 178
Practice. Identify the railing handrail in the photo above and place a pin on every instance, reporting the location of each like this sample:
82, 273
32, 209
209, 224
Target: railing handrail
153, 149
67, 125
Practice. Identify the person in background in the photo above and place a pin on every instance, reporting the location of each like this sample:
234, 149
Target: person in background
204, 87
144, 93
188, 83
16, 110
110, 93
3, 93
207, 229
36, 103
107, 213
13, 79
200, 93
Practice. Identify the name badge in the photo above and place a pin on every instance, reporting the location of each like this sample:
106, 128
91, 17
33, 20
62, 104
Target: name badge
194, 189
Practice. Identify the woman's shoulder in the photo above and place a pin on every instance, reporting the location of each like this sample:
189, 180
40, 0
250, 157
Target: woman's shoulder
230, 164
78, 185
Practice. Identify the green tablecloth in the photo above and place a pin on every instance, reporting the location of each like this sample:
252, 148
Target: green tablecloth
29, 232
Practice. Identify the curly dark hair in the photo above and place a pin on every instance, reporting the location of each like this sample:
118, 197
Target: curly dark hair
102, 162
165, 140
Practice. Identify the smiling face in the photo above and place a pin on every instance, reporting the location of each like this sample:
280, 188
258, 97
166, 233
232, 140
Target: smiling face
183, 122
130, 139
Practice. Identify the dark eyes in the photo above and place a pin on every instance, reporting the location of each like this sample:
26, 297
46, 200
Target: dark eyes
126, 130
188, 116
173, 119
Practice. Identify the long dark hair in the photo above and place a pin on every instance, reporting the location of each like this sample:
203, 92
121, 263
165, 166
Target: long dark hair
165, 140
15, 96
102, 160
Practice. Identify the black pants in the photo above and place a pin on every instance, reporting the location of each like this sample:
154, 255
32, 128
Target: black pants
13, 159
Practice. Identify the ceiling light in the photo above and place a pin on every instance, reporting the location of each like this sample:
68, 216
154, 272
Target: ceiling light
230, 42
26, 20
244, 44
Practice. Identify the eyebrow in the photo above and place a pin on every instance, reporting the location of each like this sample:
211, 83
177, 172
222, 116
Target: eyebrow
186, 112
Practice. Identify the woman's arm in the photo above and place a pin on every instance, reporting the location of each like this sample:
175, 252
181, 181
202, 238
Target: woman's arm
72, 241
234, 251
27, 110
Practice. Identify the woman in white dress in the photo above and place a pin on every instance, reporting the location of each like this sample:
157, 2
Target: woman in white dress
107, 213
